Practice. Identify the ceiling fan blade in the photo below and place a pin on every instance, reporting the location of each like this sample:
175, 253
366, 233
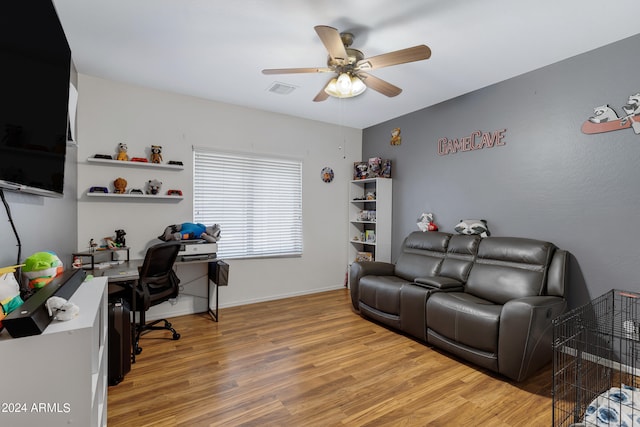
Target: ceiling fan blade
410, 54
332, 41
322, 95
380, 85
296, 70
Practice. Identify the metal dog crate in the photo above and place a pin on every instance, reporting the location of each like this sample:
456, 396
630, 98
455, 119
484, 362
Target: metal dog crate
596, 348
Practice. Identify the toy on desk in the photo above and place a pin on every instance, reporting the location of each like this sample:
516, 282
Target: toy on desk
9, 291
156, 154
174, 192
191, 231
120, 185
120, 242
92, 245
61, 309
41, 268
122, 152
153, 186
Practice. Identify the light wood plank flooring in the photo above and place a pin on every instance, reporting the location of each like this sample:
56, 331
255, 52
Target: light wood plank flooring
312, 361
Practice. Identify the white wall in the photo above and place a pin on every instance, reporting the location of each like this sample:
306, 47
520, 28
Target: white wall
110, 112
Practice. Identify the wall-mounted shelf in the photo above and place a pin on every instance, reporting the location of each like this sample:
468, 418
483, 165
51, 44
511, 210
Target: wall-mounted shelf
158, 197
135, 164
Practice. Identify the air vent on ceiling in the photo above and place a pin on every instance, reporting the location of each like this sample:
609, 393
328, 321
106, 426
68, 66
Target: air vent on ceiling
281, 88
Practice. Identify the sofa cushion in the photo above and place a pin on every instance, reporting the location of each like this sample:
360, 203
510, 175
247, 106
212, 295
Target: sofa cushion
461, 252
465, 319
422, 254
508, 268
382, 292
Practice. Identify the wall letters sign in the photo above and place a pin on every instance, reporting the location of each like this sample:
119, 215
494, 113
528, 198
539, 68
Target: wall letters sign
605, 119
476, 141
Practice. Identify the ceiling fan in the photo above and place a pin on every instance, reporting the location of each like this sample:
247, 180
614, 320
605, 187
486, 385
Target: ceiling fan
351, 67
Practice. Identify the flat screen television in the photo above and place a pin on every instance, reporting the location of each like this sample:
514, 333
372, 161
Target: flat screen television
35, 63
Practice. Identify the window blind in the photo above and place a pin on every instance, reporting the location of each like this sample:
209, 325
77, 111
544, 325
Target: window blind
256, 200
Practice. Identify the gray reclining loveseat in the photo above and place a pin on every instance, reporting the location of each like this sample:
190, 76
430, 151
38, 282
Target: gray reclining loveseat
488, 300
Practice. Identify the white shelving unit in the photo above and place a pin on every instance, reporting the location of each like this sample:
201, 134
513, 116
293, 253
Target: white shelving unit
59, 378
370, 207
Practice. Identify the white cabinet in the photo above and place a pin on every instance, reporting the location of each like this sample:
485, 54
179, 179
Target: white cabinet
370, 205
59, 378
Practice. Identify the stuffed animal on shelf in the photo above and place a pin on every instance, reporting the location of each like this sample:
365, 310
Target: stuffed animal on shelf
41, 268
61, 309
122, 152
425, 222
120, 185
9, 291
120, 241
191, 231
156, 154
153, 186
473, 226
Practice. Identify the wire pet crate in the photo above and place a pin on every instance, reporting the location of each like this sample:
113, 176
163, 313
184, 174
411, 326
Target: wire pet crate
596, 355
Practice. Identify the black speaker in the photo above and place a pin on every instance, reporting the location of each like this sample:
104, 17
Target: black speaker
219, 273
32, 317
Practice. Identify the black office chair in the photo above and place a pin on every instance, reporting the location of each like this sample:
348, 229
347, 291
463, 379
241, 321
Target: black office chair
157, 283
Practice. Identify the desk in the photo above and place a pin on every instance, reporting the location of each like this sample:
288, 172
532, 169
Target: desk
128, 271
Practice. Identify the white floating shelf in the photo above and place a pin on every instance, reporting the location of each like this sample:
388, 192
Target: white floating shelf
136, 196
135, 164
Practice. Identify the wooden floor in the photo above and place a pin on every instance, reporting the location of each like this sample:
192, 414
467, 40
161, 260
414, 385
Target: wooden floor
311, 361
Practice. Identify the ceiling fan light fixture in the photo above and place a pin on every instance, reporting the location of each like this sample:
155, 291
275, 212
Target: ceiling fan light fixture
345, 86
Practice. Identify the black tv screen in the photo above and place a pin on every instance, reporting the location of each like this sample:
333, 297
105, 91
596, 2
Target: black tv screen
35, 62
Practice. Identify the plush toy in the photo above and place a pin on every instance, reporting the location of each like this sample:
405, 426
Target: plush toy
122, 152
9, 291
425, 222
61, 309
190, 231
41, 268
156, 154
473, 226
153, 186
120, 185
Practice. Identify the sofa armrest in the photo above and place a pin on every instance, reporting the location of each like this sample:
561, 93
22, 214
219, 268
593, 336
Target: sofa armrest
439, 282
526, 334
366, 268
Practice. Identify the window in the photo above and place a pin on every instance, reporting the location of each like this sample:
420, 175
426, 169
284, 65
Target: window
256, 200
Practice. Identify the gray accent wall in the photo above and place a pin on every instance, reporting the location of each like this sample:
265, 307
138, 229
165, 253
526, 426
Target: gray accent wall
549, 180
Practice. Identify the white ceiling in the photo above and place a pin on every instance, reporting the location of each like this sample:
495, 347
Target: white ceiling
216, 49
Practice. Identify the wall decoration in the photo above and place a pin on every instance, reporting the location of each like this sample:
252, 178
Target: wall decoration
326, 174
605, 118
396, 139
475, 141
